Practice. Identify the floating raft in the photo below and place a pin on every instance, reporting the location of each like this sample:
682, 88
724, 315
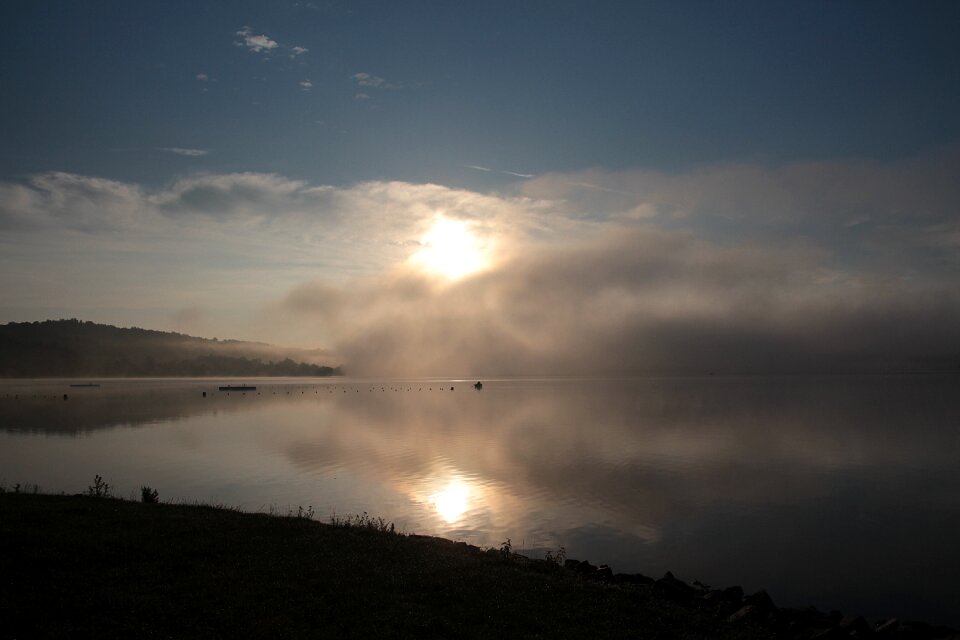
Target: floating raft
237, 388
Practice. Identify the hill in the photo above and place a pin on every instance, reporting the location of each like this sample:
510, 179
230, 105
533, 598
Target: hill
73, 348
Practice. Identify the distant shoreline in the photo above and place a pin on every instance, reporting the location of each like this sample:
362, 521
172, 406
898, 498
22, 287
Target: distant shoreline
212, 376
76, 349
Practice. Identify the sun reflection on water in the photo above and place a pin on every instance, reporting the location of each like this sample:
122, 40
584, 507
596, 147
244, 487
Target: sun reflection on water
452, 501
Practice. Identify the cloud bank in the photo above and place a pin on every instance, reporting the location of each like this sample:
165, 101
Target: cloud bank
840, 266
637, 301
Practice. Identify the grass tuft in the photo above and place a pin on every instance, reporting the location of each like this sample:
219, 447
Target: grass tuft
557, 557
362, 521
303, 514
21, 488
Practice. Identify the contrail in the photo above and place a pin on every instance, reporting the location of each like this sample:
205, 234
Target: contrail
509, 173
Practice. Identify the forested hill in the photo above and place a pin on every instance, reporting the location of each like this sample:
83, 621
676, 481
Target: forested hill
72, 348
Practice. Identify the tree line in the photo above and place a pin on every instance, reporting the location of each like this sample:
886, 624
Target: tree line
73, 348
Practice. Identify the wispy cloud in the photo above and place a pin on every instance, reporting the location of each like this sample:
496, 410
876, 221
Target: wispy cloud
298, 51
257, 43
361, 96
371, 81
368, 80
182, 151
202, 77
306, 85
815, 197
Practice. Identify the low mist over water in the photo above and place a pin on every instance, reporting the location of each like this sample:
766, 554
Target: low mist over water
838, 491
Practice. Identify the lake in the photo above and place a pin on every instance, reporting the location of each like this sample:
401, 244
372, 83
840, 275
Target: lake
836, 491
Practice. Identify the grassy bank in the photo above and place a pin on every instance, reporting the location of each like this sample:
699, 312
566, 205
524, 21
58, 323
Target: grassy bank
86, 566
77, 566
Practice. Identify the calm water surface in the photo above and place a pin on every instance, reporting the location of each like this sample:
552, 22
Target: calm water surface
840, 492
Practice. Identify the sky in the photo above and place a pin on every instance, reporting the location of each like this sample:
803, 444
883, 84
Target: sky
439, 188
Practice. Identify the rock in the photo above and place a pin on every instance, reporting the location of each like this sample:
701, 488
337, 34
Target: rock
722, 599
829, 634
752, 613
744, 614
603, 572
887, 626
714, 598
632, 578
734, 593
855, 626
762, 600
730, 596
809, 618
584, 568
670, 588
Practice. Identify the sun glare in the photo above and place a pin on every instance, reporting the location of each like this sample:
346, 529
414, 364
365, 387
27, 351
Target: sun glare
450, 249
452, 502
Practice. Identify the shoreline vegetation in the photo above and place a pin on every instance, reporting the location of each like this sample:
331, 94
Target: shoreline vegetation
91, 564
77, 349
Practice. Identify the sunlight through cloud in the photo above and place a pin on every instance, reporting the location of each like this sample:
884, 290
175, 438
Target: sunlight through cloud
451, 249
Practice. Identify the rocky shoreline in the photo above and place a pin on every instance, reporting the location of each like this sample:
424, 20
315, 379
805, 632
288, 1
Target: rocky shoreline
737, 608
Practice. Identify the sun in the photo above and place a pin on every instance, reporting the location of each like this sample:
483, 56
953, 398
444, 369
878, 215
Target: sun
450, 249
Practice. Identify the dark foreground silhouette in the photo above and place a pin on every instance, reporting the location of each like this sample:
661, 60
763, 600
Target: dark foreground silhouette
80, 566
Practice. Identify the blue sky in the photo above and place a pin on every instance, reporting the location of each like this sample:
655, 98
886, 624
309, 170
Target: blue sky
312, 147
530, 87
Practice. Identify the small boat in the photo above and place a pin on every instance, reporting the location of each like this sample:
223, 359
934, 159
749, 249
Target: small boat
85, 384
478, 386
240, 387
